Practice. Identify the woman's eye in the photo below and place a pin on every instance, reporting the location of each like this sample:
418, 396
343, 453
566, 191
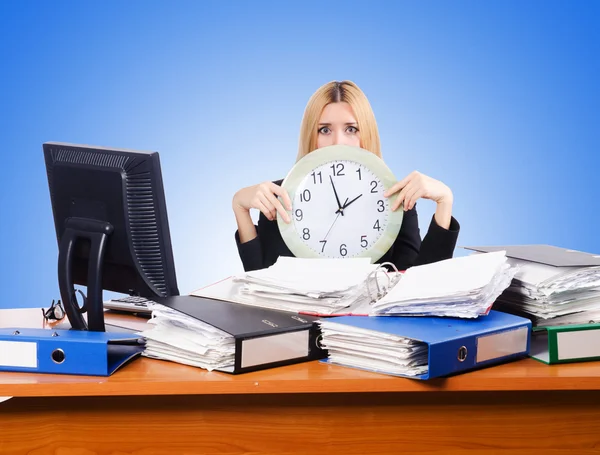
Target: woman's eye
323, 130
352, 129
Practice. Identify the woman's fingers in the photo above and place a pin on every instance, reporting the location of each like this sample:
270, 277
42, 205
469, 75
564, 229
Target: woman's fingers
401, 184
402, 187
412, 196
278, 207
401, 199
281, 192
265, 211
265, 199
397, 186
266, 203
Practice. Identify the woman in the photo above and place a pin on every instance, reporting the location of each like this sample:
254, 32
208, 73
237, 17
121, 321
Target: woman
339, 113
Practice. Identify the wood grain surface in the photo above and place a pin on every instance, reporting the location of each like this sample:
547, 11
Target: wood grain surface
154, 377
152, 407
387, 423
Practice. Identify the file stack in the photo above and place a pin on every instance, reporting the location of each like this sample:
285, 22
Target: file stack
226, 337
373, 350
180, 338
552, 296
424, 347
553, 286
321, 286
463, 287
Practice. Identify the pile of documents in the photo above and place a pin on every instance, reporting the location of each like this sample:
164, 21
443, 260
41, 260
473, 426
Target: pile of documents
179, 338
463, 287
321, 286
373, 350
424, 347
552, 296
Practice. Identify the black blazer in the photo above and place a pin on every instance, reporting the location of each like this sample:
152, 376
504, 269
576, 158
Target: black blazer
407, 250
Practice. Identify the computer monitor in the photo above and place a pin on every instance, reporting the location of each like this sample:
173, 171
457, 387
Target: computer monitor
110, 216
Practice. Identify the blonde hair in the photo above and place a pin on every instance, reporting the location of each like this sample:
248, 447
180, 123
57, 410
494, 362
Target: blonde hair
336, 92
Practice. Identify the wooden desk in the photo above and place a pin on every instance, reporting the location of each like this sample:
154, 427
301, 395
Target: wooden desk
153, 407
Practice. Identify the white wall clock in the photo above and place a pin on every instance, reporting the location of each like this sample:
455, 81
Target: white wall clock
338, 207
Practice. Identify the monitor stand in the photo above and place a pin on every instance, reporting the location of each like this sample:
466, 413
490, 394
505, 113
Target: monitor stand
97, 233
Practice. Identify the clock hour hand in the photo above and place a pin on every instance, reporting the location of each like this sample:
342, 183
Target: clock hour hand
346, 204
340, 208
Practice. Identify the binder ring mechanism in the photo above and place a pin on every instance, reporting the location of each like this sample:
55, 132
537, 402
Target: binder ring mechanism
380, 290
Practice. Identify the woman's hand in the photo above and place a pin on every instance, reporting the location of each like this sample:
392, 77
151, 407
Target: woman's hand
415, 186
263, 197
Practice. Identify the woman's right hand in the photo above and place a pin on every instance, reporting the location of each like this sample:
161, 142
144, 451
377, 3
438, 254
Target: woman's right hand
264, 198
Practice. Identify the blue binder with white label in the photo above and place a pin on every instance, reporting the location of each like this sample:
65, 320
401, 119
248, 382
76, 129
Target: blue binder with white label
453, 345
78, 352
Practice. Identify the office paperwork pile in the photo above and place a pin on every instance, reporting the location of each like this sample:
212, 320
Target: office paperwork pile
373, 350
463, 287
424, 347
558, 289
553, 286
552, 296
409, 312
460, 287
227, 337
179, 338
324, 287
436, 320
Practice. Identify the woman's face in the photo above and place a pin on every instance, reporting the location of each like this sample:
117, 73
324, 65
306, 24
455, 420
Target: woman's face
337, 125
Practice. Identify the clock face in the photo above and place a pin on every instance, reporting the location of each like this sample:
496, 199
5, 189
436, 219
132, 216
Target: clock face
338, 207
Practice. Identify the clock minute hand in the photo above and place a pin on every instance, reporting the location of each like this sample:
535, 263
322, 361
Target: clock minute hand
340, 208
348, 203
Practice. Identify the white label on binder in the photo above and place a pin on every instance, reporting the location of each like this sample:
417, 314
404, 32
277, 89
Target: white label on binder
578, 344
274, 348
22, 354
501, 344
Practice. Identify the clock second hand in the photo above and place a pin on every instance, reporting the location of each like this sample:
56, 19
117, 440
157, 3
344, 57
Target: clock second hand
338, 215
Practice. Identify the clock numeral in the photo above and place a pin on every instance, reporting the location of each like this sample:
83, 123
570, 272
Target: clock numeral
380, 206
305, 234
305, 196
338, 169
343, 250
373, 186
323, 242
359, 174
299, 215
314, 176
376, 225
363, 241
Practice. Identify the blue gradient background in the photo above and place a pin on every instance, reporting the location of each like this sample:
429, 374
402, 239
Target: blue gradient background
500, 100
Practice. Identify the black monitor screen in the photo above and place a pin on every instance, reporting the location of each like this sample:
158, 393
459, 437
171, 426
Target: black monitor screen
118, 192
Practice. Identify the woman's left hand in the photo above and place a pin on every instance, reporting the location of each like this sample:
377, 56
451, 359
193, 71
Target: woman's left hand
415, 186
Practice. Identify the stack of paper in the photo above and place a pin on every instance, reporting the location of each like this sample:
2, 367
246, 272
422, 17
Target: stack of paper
183, 339
464, 287
314, 285
551, 295
424, 347
372, 350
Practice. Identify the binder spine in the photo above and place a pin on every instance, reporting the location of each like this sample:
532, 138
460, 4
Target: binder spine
278, 349
552, 346
478, 351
